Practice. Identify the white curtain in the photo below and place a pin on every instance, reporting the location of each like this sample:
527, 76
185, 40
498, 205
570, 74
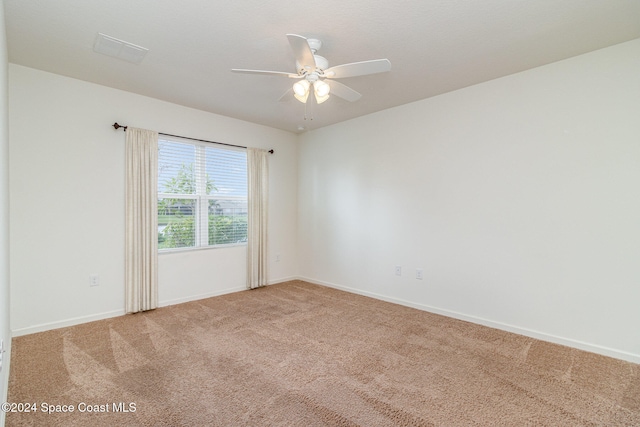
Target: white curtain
258, 188
141, 228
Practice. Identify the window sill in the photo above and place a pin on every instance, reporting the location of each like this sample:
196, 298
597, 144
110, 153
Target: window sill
202, 248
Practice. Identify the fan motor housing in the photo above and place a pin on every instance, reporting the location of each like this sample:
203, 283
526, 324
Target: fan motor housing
321, 65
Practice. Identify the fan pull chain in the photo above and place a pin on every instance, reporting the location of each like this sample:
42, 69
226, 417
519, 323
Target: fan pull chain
305, 112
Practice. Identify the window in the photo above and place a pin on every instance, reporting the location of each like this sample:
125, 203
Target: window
202, 195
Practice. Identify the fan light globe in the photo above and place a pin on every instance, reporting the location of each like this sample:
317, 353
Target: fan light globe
321, 99
301, 98
321, 88
301, 88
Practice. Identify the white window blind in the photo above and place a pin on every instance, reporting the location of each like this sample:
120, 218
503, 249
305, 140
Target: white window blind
202, 195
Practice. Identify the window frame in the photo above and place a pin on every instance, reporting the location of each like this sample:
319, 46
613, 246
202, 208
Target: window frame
201, 198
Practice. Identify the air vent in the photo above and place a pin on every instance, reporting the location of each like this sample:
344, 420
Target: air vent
121, 49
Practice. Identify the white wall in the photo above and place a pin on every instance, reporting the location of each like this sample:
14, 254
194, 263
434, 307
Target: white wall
67, 200
5, 332
519, 197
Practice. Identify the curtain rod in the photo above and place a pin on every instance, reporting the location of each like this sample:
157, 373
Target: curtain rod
116, 126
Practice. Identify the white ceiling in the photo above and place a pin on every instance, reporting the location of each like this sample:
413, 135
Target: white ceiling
434, 46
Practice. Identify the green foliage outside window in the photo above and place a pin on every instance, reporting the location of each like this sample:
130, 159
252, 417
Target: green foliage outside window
223, 229
179, 233
226, 229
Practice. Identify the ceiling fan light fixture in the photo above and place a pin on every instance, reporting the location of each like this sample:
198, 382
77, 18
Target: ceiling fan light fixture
312, 69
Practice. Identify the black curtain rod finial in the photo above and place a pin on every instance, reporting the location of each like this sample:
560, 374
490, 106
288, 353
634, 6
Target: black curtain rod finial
116, 126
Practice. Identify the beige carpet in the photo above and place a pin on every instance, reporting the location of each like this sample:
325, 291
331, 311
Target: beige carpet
297, 354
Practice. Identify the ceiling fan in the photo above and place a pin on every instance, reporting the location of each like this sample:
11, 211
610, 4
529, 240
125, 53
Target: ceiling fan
312, 70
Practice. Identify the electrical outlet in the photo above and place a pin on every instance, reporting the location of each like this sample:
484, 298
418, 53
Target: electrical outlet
419, 273
398, 270
94, 280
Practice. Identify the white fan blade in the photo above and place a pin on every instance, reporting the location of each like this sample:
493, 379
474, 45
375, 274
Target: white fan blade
343, 91
268, 73
358, 69
286, 96
302, 52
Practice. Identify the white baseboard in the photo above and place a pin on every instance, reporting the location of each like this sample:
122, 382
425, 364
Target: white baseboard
218, 293
64, 323
201, 296
593, 348
284, 279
